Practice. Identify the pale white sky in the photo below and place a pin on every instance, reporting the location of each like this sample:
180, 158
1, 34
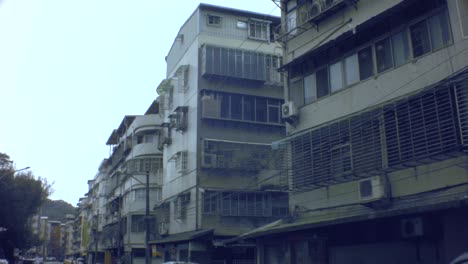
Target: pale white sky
71, 70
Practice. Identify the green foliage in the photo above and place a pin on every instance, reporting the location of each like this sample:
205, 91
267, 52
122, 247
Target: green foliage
21, 195
57, 210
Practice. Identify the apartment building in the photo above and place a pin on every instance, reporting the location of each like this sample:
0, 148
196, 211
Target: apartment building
221, 103
377, 112
118, 195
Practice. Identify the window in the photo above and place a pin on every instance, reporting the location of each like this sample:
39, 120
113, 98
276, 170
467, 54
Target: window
181, 161
273, 111
245, 204
261, 110
322, 83
240, 63
401, 51
258, 30
351, 69
210, 202
440, 31
140, 194
462, 6
138, 223
336, 77
181, 206
181, 118
291, 19
296, 93
241, 24
310, 89
249, 108
142, 165
383, 53
366, 63
420, 39
242, 107
213, 20
145, 139
236, 106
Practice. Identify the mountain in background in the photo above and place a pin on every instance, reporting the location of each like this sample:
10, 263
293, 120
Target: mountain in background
57, 210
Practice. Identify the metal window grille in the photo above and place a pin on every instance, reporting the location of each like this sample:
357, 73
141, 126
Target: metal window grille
402, 133
232, 203
239, 63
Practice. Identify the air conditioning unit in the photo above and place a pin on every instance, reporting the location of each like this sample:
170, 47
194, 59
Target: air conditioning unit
308, 11
412, 227
209, 160
289, 110
372, 189
163, 228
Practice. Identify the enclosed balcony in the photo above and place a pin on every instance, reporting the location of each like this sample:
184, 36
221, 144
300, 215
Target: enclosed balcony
240, 64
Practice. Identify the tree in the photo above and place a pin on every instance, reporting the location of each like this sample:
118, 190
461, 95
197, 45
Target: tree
21, 196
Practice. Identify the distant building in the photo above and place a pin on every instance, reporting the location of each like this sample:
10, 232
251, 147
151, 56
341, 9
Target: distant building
117, 195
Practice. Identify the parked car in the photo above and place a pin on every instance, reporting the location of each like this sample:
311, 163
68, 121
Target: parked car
462, 259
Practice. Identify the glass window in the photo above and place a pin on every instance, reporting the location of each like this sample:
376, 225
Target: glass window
273, 111
310, 89
400, 45
440, 31
336, 77
351, 69
258, 30
366, 63
322, 83
249, 108
383, 53
236, 106
241, 24
296, 92
261, 110
225, 106
214, 20
420, 39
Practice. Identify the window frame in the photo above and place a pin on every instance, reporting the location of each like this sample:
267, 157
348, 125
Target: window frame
404, 29
214, 24
255, 34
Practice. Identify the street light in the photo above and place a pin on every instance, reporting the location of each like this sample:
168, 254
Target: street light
25, 168
15, 171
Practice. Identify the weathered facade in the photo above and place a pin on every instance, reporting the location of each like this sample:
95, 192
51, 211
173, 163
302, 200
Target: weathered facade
116, 219
222, 107
377, 110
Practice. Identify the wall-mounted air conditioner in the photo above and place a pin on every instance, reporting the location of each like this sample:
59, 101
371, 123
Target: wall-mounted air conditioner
208, 160
289, 111
372, 189
308, 11
412, 227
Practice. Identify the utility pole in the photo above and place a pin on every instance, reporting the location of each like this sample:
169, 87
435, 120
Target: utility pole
147, 222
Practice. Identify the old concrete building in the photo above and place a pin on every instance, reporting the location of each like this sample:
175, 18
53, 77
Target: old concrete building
222, 107
116, 218
377, 112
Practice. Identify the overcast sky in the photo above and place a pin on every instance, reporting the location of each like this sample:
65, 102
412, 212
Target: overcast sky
71, 70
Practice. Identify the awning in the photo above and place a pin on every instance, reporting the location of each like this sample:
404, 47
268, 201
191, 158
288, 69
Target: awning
431, 201
185, 236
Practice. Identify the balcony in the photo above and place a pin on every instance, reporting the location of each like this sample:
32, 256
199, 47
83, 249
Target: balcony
240, 64
222, 154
